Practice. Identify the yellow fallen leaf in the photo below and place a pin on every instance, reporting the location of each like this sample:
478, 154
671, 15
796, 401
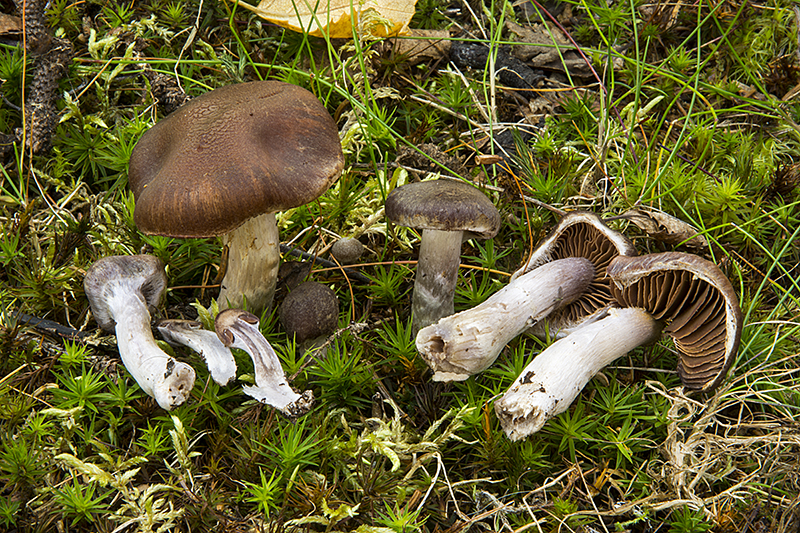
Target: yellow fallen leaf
336, 18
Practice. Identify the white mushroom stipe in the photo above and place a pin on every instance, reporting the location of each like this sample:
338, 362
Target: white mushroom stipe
550, 383
120, 290
252, 269
468, 342
239, 329
190, 333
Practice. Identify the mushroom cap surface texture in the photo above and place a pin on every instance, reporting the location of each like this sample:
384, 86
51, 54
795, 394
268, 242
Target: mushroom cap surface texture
144, 274
581, 234
310, 311
231, 154
445, 205
697, 303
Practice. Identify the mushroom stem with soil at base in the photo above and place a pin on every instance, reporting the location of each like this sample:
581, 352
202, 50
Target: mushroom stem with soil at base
239, 329
120, 290
550, 383
468, 342
685, 296
190, 333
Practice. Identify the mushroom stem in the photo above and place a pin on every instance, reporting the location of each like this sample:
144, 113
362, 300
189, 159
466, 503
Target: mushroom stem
437, 273
549, 384
252, 269
468, 342
239, 329
218, 357
159, 375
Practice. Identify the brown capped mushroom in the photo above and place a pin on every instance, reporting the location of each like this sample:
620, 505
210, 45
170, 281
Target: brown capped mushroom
310, 311
695, 301
579, 234
468, 342
239, 329
447, 211
121, 290
224, 163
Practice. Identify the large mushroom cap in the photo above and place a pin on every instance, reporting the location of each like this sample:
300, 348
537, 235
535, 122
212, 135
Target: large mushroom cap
135, 274
696, 302
231, 154
445, 205
581, 234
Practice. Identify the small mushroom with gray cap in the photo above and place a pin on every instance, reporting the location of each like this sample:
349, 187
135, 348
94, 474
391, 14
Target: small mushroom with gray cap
468, 342
447, 212
224, 163
347, 250
239, 329
686, 296
190, 333
310, 311
121, 290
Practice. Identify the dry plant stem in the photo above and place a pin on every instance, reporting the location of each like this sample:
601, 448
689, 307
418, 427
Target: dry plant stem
556, 376
468, 342
218, 357
252, 270
159, 375
239, 329
437, 273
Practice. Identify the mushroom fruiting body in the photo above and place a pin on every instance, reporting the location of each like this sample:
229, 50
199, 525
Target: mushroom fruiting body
695, 301
680, 294
446, 211
309, 311
468, 342
555, 377
239, 329
579, 234
120, 290
190, 333
224, 163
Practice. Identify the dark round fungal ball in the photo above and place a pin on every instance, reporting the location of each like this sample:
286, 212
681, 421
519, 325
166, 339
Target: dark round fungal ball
311, 310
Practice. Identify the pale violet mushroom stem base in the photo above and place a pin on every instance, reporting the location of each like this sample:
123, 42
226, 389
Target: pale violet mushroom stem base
468, 342
555, 377
252, 269
436, 277
159, 375
239, 329
218, 357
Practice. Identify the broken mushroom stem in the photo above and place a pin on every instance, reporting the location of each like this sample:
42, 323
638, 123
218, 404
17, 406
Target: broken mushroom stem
190, 333
468, 342
239, 329
120, 290
555, 377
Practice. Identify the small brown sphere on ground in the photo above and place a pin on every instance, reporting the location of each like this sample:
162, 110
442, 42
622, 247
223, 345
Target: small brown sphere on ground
311, 310
347, 250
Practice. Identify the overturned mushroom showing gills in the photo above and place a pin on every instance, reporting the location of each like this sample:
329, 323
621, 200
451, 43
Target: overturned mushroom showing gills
579, 234
684, 295
695, 301
239, 329
468, 342
555, 377
224, 163
121, 290
447, 212
190, 333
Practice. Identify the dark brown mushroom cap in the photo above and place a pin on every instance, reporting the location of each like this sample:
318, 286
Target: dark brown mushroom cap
582, 234
310, 311
694, 300
123, 274
446, 205
231, 154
